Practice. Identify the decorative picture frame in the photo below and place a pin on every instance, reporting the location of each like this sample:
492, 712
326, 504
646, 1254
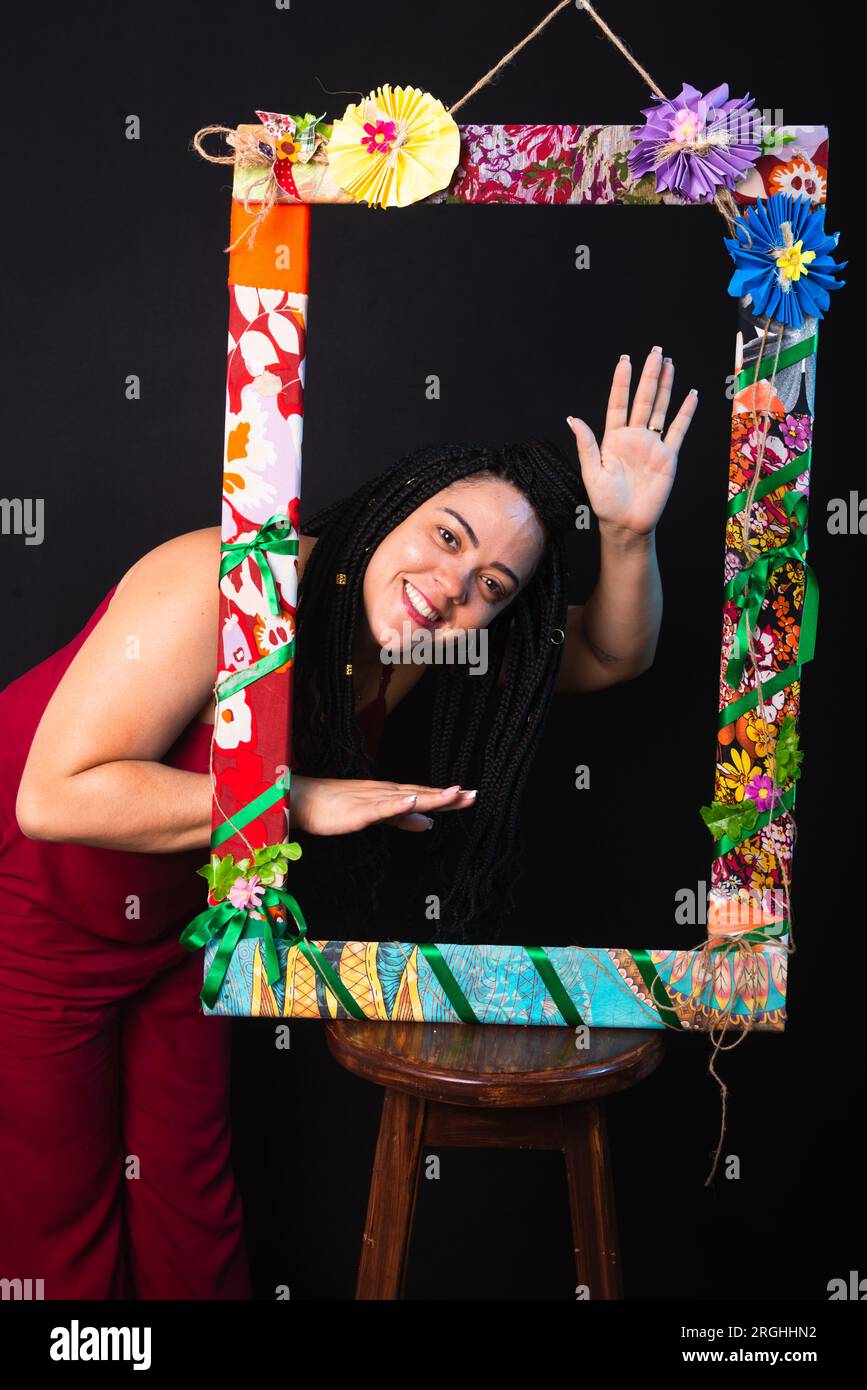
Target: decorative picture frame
260, 959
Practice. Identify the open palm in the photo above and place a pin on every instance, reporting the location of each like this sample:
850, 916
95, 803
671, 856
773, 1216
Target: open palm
629, 476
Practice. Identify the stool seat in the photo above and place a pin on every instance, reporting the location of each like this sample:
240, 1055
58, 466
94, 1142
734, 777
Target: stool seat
491, 1086
495, 1064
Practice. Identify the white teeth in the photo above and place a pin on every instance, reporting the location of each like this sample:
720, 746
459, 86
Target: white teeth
418, 601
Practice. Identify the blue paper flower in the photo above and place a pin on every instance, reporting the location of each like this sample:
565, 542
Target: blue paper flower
782, 259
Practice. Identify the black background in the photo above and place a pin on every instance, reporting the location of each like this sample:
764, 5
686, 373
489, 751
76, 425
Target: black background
120, 269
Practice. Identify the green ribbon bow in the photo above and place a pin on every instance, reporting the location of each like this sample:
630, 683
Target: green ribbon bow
749, 588
270, 537
234, 924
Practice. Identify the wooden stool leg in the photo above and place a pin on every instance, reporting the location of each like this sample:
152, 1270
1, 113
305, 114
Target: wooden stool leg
591, 1199
391, 1204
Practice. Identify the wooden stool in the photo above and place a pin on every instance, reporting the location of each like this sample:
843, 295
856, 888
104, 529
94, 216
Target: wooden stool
498, 1086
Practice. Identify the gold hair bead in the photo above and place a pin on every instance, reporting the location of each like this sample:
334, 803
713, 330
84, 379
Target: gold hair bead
341, 578
348, 671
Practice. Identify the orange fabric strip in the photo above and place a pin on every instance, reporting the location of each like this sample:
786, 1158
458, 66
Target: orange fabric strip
280, 255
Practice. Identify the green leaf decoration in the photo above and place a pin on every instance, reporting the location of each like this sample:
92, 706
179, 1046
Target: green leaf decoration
225, 877
787, 754
208, 870
221, 873
270, 852
268, 862
773, 140
733, 821
267, 853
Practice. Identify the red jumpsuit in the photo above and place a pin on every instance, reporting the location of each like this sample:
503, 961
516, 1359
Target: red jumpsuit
115, 1168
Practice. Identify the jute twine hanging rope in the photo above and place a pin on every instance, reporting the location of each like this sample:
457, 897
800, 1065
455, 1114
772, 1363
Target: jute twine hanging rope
247, 153
723, 202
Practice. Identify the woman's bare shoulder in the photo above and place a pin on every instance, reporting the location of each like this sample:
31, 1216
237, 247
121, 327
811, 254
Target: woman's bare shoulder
200, 549
305, 547
196, 553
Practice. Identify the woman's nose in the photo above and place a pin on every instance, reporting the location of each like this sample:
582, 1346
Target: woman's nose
453, 583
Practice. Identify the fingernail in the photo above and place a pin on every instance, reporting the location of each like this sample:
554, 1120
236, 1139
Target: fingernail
656, 349
666, 359
693, 392
427, 822
570, 422
624, 356
410, 800
452, 789
472, 793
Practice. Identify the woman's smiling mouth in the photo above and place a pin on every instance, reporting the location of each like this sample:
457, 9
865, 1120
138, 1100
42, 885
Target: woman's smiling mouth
418, 606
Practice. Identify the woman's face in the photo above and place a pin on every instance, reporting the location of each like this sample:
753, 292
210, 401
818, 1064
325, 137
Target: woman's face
454, 563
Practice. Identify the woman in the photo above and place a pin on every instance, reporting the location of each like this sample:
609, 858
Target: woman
116, 1176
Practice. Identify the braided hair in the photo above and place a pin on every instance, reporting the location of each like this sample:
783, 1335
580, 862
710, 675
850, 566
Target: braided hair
481, 735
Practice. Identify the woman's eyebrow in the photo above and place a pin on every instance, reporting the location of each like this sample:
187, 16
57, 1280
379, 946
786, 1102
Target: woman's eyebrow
495, 564
466, 525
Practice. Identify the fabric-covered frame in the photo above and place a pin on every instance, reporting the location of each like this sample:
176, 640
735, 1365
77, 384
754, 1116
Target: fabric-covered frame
266, 966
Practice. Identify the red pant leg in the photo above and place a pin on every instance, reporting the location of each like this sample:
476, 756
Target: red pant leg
61, 1207
184, 1215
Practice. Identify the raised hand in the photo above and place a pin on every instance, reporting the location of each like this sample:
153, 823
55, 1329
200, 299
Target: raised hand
339, 806
628, 478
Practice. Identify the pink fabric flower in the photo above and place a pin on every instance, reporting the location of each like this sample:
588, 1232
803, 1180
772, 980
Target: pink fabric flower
247, 893
378, 138
798, 433
761, 791
775, 454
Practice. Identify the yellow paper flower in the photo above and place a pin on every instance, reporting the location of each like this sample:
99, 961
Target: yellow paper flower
397, 146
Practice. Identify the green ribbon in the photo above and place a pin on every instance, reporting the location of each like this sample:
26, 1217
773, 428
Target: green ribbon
554, 985
749, 588
455, 995
770, 364
270, 537
772, 482
233, 924
254, 808
651, 977
731, 713
239, 679
461, 1005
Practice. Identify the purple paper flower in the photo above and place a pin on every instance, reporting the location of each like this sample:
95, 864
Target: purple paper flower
761, 790
797, 432
696, 144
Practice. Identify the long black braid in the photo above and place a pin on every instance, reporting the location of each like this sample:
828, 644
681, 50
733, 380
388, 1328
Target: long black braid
481, 736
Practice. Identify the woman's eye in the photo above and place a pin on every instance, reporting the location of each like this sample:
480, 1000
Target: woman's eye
447, 536
494, 588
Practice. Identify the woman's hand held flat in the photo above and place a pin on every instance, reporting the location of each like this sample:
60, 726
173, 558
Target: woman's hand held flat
340, 806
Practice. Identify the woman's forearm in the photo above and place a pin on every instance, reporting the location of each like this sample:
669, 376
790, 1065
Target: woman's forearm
622, 616
140, 806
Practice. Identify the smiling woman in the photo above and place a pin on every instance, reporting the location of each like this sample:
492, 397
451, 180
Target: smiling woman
461, 539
